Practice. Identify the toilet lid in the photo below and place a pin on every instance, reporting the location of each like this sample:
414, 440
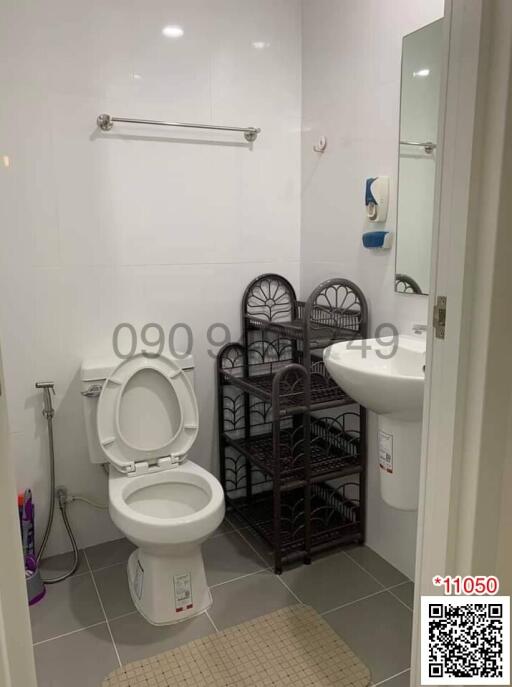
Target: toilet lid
147, 413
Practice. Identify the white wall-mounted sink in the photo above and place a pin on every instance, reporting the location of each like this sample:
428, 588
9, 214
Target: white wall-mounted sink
387, 376
384, 375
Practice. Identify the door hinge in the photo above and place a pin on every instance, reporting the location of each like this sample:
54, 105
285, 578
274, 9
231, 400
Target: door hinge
439, 319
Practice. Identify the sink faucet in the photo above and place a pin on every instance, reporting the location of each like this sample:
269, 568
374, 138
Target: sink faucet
419, 328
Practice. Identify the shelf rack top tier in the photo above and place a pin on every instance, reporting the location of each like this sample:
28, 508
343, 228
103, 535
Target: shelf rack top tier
336, 310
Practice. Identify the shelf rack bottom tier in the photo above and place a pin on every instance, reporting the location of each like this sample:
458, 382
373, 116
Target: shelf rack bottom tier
335, 519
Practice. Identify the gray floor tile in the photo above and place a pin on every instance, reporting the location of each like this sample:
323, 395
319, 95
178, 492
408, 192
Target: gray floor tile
248, 598
114, 592
378, 630
405, 593
330, 582
376, 566
67, 606
109, 553
136, 639
260, 545
224, 527
227, 557
82, 659
54, 566
236, 521
402, 680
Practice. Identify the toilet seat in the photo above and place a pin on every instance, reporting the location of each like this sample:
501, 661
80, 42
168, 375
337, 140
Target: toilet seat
147, 401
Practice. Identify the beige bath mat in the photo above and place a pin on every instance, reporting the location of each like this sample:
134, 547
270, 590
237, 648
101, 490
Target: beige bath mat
291, 647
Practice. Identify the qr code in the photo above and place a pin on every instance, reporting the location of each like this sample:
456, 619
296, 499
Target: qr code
465, 640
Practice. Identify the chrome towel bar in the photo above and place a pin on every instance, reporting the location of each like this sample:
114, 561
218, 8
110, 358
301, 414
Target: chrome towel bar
105, 122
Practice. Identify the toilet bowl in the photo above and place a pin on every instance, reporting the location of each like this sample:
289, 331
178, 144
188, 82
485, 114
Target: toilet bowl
167, 515
144, 422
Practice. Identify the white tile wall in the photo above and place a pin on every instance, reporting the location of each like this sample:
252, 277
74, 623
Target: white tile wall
146, 225
138, 225
351, 93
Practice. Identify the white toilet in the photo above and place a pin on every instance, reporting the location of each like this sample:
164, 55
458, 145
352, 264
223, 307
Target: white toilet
141, 416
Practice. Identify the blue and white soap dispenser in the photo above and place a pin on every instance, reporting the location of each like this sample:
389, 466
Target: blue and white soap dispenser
377, 198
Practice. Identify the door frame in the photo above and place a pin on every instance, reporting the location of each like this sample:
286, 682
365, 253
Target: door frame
467, 438
16, 650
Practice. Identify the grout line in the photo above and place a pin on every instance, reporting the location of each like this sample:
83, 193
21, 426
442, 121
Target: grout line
383, 682
237, 526
364, 569
240, 577
107, 567
239, 532
86, 558
66, 634
207, 264
369, 596
211, 620
267, 568
87, 627
398, 598
231, 531
72, 577
115, 565
280, 578
387, 589
81, 553
218, 534
350, 603
123, 615
400, 584
103, 609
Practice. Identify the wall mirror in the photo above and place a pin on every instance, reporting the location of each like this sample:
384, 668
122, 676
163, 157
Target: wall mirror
419, 106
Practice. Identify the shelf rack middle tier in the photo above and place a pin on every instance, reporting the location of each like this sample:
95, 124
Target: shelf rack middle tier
265, 369
334, 449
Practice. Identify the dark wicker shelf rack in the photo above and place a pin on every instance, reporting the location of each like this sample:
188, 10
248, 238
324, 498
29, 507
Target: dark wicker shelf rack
292, 443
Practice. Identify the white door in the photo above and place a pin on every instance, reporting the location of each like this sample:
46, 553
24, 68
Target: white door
466, 436
16, 655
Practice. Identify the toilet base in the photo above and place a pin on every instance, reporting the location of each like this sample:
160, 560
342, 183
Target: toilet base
168, 589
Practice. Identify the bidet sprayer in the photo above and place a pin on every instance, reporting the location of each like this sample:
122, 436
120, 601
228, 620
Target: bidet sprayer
48, 410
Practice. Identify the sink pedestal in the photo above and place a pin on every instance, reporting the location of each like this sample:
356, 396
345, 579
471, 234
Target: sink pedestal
399, 450
390, 382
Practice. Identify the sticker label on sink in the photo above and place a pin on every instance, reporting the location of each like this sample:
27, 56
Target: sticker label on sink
138, 580
386, 451
183, 592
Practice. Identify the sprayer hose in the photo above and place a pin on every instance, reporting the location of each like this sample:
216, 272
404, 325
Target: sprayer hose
51, 514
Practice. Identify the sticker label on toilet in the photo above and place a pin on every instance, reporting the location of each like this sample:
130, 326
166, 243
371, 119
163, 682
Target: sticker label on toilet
183, 592
138, 580
386, 452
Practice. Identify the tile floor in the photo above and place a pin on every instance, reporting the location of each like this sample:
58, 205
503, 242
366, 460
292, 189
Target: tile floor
87, 625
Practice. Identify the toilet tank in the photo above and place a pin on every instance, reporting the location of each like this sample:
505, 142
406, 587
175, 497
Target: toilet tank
93, 374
